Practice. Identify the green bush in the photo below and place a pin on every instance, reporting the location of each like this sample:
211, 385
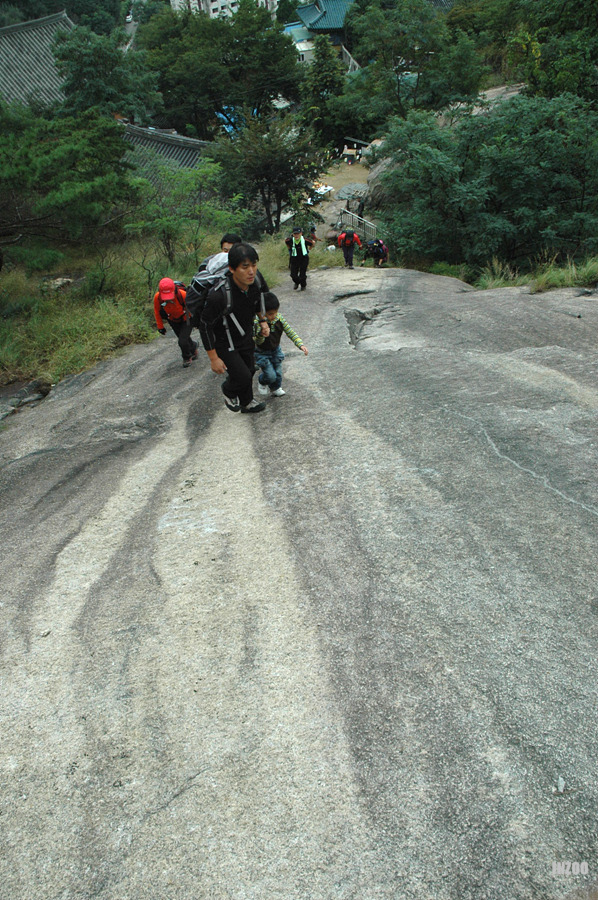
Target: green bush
34, 258
515, 182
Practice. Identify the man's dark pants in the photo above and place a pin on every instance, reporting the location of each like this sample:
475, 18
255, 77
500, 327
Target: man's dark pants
240, 367
348, 254
182, 330
299, 266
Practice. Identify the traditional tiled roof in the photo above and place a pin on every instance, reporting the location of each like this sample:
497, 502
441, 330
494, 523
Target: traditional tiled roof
324, 15
298, 31
329, 15
27, 67
151, 145
182, 150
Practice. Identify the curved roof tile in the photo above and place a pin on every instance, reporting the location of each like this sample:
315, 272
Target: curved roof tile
27, 68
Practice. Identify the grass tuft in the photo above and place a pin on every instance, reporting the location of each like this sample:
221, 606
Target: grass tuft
550, 275
500, 274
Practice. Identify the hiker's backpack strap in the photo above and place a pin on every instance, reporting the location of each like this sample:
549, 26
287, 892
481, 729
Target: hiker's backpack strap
225, 283
260, 284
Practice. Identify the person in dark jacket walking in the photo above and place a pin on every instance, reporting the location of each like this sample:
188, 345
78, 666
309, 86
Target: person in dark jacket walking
226, 327
299, 248
169, 306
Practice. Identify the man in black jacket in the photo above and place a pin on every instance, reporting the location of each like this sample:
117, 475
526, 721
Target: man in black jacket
226, 327
299, 247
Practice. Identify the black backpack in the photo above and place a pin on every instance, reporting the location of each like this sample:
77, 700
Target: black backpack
199, 294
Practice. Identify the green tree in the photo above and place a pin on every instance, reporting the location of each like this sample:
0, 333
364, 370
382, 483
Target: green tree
412, 59
143, 10
270, 162
490, 24
399, 44
213, 73
187, 52
513, 183
324, 80
286, 11
550, 44
455, 74
179, 206
10, 15
262, 60
62, 177
98, 74
99, 15
363, 108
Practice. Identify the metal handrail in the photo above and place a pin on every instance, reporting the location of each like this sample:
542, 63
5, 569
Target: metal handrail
363, 227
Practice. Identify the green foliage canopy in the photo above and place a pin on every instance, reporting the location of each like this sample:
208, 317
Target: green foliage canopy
550, 44
100, 15
97, 73
515, 182
410, 60
324, 80
210, 70
269, 163
61, 177
180, 204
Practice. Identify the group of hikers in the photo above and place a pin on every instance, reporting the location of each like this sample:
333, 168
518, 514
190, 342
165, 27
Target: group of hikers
238, 317
299, 246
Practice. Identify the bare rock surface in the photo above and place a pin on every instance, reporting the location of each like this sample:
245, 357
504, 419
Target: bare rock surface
344, 648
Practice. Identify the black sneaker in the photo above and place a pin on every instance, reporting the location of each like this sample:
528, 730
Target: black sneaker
295, 286
232, 403
253, 406
186, 363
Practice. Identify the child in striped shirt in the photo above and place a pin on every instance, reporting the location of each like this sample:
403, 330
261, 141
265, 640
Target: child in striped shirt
268, 355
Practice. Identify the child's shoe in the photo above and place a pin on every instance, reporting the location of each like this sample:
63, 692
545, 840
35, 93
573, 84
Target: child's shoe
278, 392
263, 389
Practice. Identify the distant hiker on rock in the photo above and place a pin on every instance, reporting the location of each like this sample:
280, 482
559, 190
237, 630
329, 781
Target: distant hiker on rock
347, 240
299, 248
226, 327
169, 306
268, 354
378, 251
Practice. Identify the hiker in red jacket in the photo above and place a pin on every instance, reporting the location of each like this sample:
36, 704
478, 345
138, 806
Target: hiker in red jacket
169, 305
347, 240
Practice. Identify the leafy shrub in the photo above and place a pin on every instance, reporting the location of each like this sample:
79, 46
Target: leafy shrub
511, 183
34, 258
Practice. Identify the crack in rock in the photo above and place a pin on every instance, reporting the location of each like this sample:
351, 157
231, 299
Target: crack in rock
357, 320
349, 294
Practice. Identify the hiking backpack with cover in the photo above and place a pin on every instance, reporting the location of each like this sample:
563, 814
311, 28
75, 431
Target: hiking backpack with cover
205, 278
